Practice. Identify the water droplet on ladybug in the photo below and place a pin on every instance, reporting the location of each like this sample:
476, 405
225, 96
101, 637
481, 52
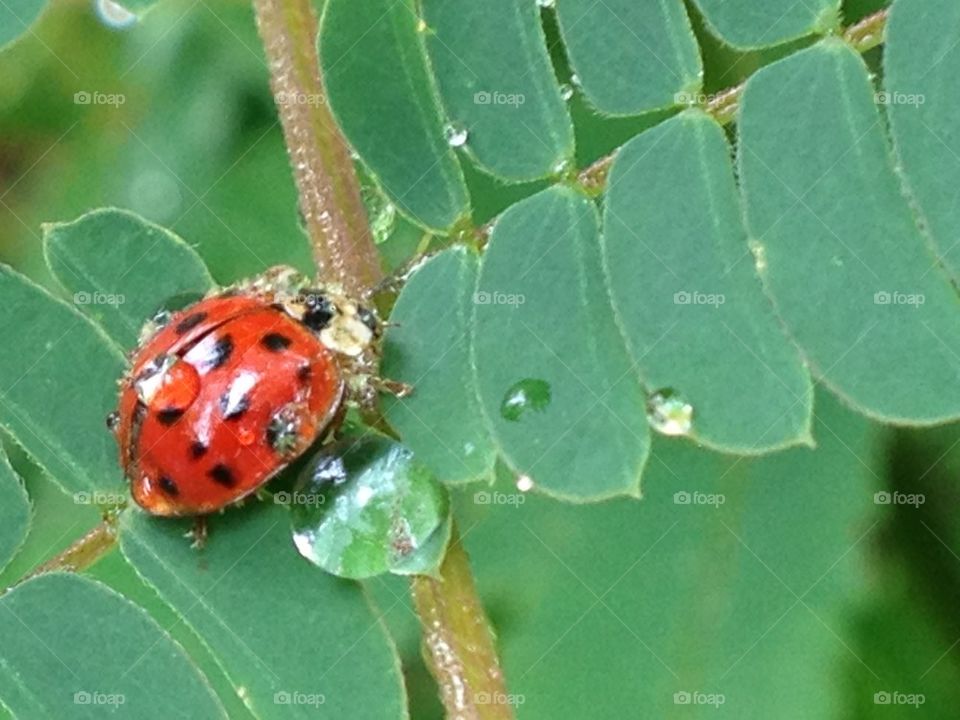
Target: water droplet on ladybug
529, 394
113, 421
167, 383
669, 413
284, 429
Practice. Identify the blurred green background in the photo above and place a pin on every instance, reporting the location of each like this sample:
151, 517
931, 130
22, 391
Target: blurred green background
195, 145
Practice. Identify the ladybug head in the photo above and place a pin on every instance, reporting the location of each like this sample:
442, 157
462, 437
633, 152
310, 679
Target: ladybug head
342, 324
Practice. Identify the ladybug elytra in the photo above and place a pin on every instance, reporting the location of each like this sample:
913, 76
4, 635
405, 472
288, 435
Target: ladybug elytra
224, 394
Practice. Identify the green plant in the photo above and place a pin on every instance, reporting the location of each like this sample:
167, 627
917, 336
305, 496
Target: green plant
684, 238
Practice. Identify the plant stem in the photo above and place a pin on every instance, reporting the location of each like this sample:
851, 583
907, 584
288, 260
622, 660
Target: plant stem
868, 33
458, 642
83, 552
329, 193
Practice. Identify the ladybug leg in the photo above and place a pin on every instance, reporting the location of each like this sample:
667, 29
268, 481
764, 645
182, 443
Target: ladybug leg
392, 387
198, 533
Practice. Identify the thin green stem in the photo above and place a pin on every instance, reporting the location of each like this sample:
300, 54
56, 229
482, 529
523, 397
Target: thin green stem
328, 189
458, 642
84, 552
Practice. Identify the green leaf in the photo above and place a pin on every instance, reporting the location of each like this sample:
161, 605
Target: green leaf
14, 511
851, 274
732, 577
495, 79
555, 381
122, 269
427, 345
375, 70
921, 64
294, 642
72, 648
60, 375
365, 506
748, 24
16, 17
687, 296
631, 57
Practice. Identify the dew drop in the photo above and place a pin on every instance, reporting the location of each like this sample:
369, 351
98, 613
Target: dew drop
759, 255
668, 413
524, 483
153, 377
283, 431
456, 135
114, 14
546, 4
562, 167
566, 91
382, 214
523, 396
575, 81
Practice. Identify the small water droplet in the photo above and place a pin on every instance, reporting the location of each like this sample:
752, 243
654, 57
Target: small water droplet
668, 413
527, 394
382, 214
562, 167
575, 81
113, 421
114, 14
566, 91
283, 432
759, 255
149, 382
456, 135
546, 4
421, 25
524, 483
836, 261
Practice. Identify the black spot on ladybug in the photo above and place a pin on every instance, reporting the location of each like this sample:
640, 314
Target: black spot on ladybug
319, 312
190, 322
275, 342
168, 486
231, 407
222, 351
168, 416
197, 450
304, 372
222, 475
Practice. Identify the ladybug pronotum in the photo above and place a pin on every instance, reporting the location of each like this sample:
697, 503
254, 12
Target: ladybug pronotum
222, 395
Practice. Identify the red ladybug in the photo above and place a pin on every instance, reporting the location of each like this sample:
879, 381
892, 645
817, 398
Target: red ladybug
222, 395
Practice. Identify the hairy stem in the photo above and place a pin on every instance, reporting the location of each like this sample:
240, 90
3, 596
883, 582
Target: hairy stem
329, 193
83, 552
458, 642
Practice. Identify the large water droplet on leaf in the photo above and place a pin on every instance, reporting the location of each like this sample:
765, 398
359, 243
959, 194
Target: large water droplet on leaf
365, 506
668, 413
114, 14
529, 394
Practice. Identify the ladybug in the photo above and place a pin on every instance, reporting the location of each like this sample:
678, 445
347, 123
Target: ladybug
222, 395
